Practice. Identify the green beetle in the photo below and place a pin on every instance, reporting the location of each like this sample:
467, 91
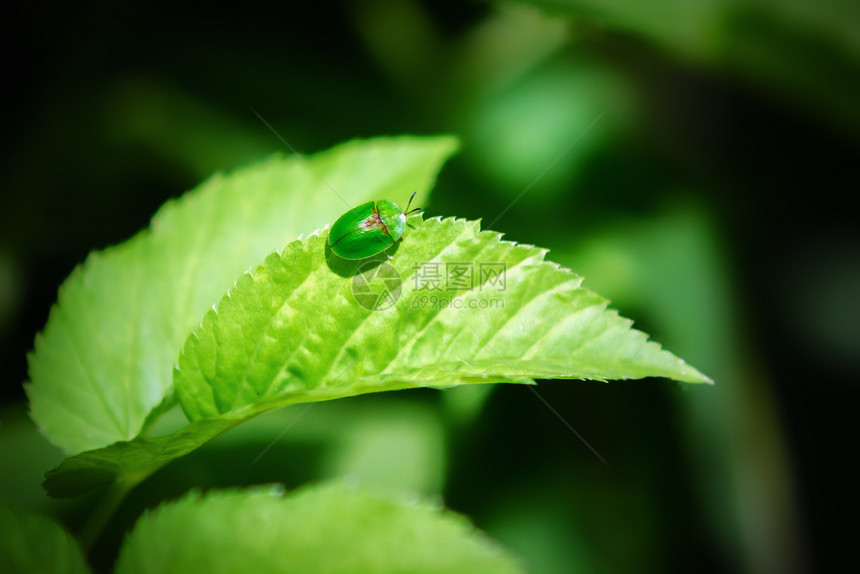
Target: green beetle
368, 229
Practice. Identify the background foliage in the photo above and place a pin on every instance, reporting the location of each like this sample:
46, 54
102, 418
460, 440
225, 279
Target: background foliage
689, 160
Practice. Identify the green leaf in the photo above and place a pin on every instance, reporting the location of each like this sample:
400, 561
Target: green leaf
131, 461
293, 332
325, 529
34, 544
106, 357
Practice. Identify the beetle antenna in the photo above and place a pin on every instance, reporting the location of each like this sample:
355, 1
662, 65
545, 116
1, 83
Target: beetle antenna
407, 212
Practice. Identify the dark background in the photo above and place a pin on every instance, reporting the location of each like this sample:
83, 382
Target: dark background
711, 201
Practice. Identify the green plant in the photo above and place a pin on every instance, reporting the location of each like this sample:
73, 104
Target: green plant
161, 322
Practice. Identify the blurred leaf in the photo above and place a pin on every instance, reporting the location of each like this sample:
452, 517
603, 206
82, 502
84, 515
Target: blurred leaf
464, 404
545, 127
806, 52
324, 529
670, 269
292, 332
390, 446
34, 544
402, 39
510, 42
547, 540
658, 20
189, 131
25, 450
105, 358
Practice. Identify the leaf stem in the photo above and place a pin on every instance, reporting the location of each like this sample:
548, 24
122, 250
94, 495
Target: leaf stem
106, 507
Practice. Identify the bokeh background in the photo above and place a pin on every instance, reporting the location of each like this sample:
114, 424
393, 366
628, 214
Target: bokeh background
694, 161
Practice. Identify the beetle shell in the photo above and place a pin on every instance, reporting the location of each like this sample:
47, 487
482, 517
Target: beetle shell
367, 229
